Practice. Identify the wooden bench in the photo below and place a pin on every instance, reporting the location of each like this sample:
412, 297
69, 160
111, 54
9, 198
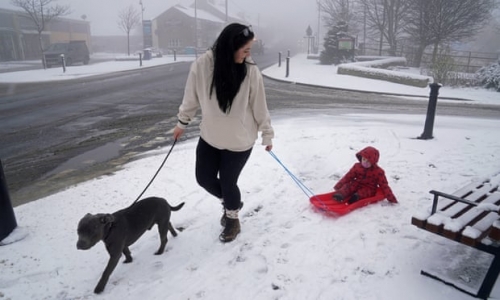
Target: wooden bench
470, 217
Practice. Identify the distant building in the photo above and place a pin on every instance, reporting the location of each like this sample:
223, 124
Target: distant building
175, 28
19, 35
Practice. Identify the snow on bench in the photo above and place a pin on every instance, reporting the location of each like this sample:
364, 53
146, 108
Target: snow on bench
466, 216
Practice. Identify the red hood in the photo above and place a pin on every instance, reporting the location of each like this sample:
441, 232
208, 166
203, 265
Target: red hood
370, 153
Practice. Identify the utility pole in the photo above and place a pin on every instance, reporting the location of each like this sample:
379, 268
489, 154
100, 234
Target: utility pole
364, 30
142, 23
195, 30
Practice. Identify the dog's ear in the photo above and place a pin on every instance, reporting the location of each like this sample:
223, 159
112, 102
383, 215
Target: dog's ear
107, 218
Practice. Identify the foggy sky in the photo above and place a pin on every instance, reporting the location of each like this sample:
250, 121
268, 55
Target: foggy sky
290, 18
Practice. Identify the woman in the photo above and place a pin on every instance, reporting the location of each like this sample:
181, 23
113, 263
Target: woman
229, 89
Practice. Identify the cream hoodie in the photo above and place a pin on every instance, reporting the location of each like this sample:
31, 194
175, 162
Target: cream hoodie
236, 130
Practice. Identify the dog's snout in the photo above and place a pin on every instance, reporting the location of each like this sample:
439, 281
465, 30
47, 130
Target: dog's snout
81, 245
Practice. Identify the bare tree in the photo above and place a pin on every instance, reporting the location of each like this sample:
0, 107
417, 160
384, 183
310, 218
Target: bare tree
388, 18
128, 19
444, 21
335, 11
41, 12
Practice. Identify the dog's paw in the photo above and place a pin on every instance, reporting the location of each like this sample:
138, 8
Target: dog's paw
98, 289
180, 228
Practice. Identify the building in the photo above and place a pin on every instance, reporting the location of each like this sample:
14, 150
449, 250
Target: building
175, 28
19, 35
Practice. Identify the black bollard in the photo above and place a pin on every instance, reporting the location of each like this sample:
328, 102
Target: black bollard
63, 63
287, 66
175, 55
140, 59
279, 59
431, 112
7, 218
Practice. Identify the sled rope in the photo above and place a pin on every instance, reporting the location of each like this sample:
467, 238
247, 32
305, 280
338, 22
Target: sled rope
297, 181
158, 171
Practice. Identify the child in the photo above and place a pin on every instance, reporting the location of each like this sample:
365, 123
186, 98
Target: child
363, 179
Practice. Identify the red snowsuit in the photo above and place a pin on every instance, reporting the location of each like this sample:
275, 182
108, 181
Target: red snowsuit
365, 181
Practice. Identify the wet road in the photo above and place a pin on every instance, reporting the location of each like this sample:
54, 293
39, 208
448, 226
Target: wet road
53, 135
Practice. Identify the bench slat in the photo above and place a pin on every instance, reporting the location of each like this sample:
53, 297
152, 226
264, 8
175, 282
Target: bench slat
420, 219
473, 213
435, 223
464, 222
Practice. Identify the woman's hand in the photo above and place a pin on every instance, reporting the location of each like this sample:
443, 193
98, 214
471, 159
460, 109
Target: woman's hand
269, 147
178, 132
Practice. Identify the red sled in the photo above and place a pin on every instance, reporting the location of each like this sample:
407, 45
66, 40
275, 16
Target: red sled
326, 203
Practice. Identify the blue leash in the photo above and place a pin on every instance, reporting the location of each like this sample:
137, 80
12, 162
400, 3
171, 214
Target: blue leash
297, 181
304, 189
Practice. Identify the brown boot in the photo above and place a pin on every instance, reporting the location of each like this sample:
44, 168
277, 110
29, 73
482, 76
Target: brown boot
232, 228
223, 218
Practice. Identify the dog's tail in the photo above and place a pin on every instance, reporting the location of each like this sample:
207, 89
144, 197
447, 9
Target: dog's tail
175, 208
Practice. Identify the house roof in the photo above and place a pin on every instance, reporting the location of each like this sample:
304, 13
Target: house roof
206, 10
200, 14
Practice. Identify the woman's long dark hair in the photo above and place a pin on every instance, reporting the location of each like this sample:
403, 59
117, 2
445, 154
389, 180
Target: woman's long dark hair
228, 75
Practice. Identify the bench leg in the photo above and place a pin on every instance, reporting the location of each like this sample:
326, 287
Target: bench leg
490, 279
488, 282
446, 282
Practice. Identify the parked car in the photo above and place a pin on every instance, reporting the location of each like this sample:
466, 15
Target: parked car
74, 52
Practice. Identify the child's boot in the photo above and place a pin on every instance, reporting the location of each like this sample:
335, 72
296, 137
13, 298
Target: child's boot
353, 198
338, 197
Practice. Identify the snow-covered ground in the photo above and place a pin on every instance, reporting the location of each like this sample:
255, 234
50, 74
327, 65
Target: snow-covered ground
79, 71
303, 70
286, 250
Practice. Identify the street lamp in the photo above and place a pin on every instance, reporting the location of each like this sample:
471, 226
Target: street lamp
317, 31
309, 37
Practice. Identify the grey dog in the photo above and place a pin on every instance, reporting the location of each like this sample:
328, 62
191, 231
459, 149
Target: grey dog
122, 228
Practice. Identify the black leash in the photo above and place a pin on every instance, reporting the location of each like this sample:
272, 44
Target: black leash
158, 171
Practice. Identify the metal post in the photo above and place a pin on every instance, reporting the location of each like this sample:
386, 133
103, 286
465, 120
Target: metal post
140, 59
468, 63
7, 217
63, 63
287, 66
279, 59
175, 55
431, 112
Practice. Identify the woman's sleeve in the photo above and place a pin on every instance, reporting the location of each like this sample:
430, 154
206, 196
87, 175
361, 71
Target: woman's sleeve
190, 102
259, 107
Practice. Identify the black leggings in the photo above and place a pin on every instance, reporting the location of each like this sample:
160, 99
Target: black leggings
211, 162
